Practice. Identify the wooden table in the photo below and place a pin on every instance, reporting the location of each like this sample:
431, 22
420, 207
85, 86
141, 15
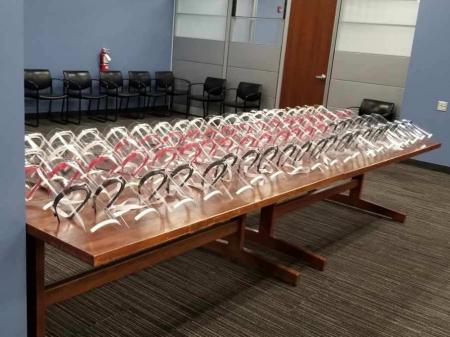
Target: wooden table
115, 252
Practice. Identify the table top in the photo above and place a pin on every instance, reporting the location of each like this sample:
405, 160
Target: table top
115, 242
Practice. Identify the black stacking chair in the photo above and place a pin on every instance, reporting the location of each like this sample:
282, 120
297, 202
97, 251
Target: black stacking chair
371, 106
248, 96
172, 86
39, 86
142, 83
213, 92
78, 85
112, 84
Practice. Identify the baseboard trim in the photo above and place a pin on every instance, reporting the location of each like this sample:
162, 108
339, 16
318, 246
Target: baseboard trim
426, 165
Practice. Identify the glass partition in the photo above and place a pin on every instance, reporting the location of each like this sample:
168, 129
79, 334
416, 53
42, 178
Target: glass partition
201, 19
377, 26
258, 21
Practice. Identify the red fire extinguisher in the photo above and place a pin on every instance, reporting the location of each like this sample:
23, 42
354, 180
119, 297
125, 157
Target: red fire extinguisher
105, 59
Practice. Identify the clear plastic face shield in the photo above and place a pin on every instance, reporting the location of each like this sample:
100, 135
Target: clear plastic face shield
125, 176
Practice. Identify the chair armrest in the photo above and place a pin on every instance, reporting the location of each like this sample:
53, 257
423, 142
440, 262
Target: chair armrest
182, 80
194, 84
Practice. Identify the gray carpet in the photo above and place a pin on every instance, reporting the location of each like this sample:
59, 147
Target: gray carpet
382, 278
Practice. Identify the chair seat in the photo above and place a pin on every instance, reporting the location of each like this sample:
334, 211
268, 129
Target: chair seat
47, 97
123, 94
241, 104
202, 98
174, 92
153, 93
87, 96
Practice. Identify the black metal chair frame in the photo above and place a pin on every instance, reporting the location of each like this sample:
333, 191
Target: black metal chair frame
170, 90
31, 86
209, 98
247, 98
145, 89
71, 86
113, 90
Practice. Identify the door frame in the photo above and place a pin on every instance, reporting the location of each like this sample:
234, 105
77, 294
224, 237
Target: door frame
332, 52
330, 57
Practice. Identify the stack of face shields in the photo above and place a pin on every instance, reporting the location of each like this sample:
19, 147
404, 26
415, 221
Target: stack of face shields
129, 174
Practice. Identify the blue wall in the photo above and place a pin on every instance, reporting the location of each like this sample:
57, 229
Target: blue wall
429, 76
68, 34
12, 217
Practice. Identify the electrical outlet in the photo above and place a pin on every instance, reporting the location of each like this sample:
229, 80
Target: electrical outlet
442, 106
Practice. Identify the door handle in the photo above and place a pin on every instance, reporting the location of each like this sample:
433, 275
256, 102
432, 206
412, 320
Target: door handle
321, 77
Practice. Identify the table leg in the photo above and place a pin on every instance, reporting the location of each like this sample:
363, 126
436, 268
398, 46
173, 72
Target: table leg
35, 287
234, 250
354, 200
265, 237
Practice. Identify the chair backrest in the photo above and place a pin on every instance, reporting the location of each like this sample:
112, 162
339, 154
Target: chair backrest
371, 106
77, 79
39, 79
214, 85
113, 77
249, 91
139, 79
164, 79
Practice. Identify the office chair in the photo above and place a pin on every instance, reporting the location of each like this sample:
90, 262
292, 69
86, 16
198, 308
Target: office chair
141, 82
78, 85
213, 92
172, 86
248, 96
112, 84
39, 86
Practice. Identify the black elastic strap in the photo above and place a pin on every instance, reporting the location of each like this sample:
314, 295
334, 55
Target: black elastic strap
68, 190
148, 176
292, 148
248, 154
268, 154
105, 184
219, 174
177, 171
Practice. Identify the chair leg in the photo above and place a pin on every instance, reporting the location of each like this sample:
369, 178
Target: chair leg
188, 107
64, 104
116, 112
207, 109
36, 123
89, 107
62, 119
50, 114
171, 104
106, 108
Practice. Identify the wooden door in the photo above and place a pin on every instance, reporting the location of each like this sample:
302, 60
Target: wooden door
307, 52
